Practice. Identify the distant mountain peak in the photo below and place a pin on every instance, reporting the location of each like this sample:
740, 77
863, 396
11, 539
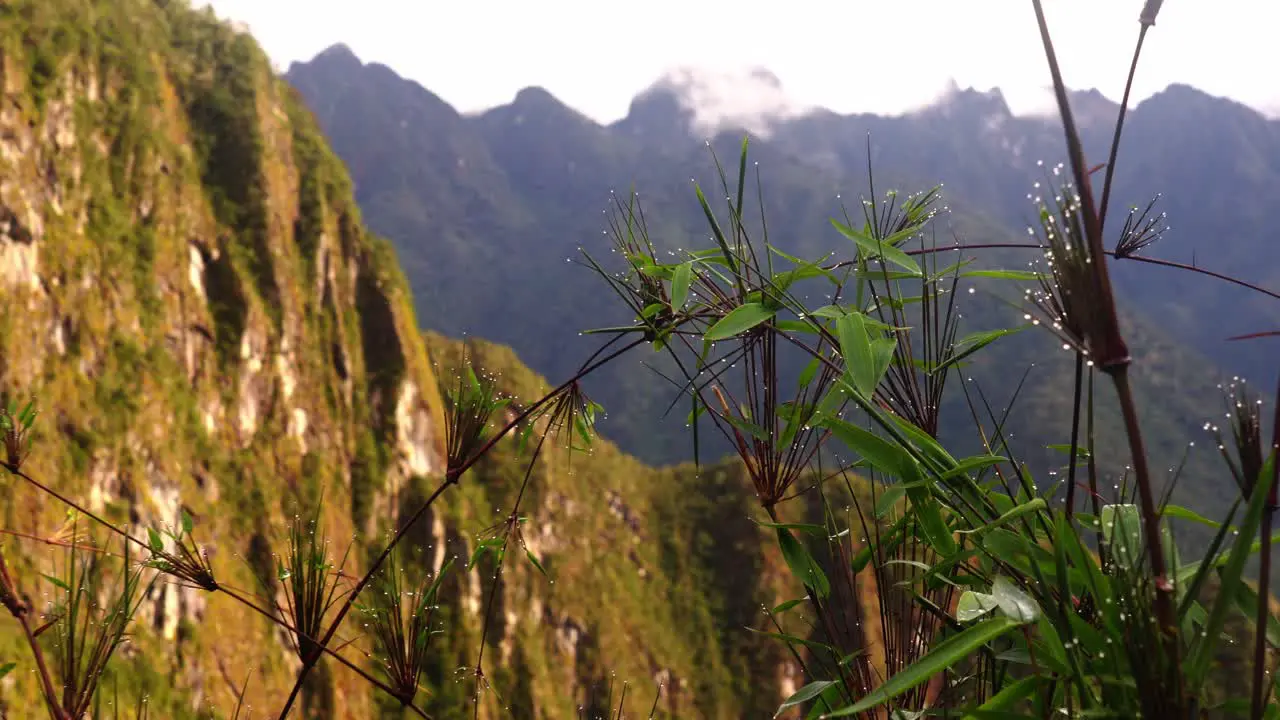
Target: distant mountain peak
955, 100
535, 95
536, 103
751, 99
338, 53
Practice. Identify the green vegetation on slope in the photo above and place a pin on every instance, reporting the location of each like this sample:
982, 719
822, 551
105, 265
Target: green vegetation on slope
204, 320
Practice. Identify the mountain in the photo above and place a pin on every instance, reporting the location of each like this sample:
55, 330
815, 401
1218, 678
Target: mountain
556, 171
189, 291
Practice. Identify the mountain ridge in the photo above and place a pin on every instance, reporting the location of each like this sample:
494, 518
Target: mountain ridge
684, 84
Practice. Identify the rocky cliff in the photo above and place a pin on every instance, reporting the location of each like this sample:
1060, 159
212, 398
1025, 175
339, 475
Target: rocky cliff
190, 295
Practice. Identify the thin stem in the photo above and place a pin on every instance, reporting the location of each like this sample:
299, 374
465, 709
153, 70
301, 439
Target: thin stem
1150, 515
51, 696
1093, 473
1264, 614
60, 543
78, 508
1075, 438
511, 524
21, 611
1034, 246
1264, 575
1115, 141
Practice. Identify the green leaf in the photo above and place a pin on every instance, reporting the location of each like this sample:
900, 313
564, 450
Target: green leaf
1013, 602
827, 700
805, 694
1003, 274
156, 542
1247, 602
802, 564
881, 357
680, 282
889, 498
783, 607
887, 457
972, 343
1081, 451
929, 515
878, 249
803, 527
810, 371
970, 464
57, 582
187, 523
534, 559
1177, 511
28, 412
973, 605
739, 320
7, 668
855, 346
1026, 508
481, 548
1008, 696
943, 656
728, 255
1122, 528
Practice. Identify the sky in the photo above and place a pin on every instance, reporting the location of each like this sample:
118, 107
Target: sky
882, 56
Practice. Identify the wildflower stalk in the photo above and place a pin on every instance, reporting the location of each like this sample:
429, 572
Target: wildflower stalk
1112, 355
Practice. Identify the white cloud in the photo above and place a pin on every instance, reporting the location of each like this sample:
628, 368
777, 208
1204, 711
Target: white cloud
747, 98
848, 55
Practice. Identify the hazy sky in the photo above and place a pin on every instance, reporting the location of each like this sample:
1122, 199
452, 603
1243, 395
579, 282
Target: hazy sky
882, 56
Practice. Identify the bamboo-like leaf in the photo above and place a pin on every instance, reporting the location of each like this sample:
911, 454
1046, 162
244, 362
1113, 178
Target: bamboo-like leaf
889, 498
1013, 602
973, 605
739, 320
680, 281
855, 346
1247, 602
534, 559
972, 343
1122, 528
944, 655
878, 249
883, 455
805, 694
1003, 274
802, 564
1004, 700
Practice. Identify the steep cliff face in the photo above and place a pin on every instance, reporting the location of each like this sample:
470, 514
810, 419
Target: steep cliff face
187, 289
